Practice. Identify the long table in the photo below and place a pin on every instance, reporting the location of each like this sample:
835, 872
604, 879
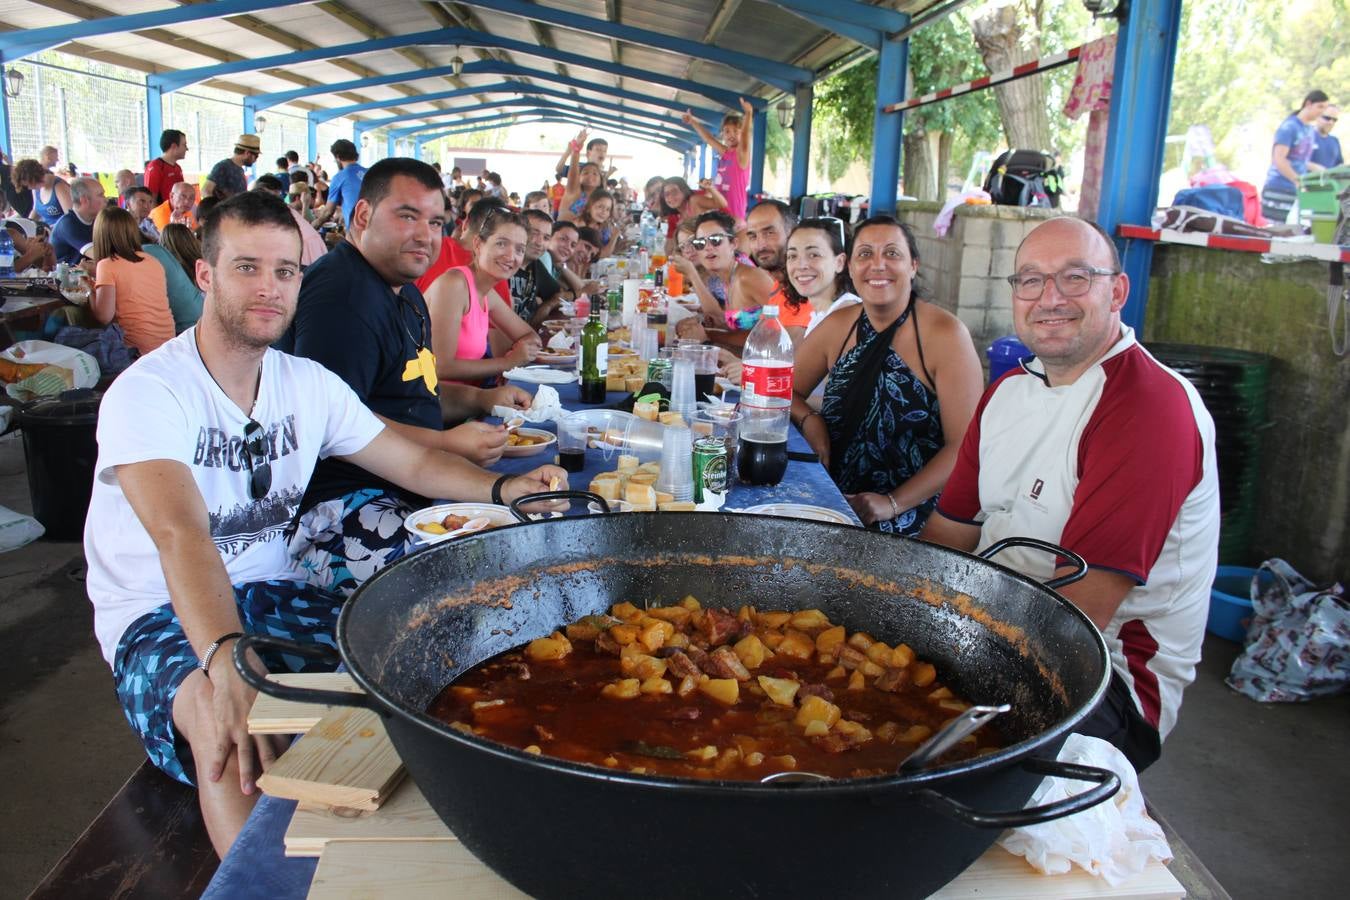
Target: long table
256, 865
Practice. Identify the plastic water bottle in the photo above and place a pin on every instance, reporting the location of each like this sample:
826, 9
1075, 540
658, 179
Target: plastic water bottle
648, 228
6, 254
766, 400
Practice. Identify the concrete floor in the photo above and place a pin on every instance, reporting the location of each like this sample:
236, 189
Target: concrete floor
1260, 793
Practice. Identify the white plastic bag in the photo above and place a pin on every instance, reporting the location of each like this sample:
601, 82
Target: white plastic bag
16, 529
35, 369
1112, 840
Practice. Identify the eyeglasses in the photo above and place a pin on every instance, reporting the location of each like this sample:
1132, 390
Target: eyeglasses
1072, 282
713, 240
826, 223
259, 466
1331, 119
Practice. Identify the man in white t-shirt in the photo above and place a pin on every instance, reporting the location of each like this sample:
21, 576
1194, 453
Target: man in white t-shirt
1097, 447
205, 448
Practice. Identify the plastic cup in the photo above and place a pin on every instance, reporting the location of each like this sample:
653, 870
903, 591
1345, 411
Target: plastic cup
677, 464
572, 443
651, 345
682, 397
723, 423
645, 439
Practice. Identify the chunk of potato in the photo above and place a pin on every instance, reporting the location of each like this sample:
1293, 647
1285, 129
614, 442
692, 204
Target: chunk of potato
702, 754
914, 734
754, 759
656, 685
651, 667
751, 651
901, 656
724, 690
746, 614
623, 689
772, 619
942, 693
879, 653
816, 708
624, 634
679, 640
780, 690
797, 645
553, 647
860, 640
856, 682
688, 684
853, 732
830, 640
809, 620
836, 672
626, 611
675, 615
923, 674
887, 731
772, 639
817, 728
653, 635
870, 669
691, 603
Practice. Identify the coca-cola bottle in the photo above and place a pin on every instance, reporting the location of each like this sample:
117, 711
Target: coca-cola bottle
766, 400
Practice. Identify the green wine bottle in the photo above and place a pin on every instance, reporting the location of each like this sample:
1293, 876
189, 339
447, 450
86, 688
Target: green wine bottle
594, 358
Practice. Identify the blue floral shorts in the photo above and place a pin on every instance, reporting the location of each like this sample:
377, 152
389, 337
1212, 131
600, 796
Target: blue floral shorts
154, 657
340, 543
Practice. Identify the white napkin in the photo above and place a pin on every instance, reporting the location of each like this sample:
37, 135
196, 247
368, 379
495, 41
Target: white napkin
540, 375
676, 313
1114, 839
561, 341
547, 407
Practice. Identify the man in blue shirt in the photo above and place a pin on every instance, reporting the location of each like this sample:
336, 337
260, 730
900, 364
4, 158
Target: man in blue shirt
1293, 147
345, 186
76, 227
1327, 155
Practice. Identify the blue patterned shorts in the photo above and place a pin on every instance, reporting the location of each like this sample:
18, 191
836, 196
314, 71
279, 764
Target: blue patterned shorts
340, 543
154, 657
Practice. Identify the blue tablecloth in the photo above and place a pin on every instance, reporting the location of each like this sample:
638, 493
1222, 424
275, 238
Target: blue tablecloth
257, 867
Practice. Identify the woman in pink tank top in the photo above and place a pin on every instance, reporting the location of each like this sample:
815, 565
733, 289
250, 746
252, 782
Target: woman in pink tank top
465, 305
733, 151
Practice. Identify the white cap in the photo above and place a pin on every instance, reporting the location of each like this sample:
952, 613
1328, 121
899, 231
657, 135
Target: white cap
87, 250
24, 224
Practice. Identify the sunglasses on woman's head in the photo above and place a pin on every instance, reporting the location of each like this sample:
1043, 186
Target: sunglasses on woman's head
714, 240
255, 456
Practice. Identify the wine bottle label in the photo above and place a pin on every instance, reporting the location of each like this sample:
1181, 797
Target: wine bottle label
602, 357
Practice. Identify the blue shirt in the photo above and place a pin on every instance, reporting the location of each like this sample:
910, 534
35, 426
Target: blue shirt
1300, 138
1327, 154
345, 187
185, 299
349, 320
69, 234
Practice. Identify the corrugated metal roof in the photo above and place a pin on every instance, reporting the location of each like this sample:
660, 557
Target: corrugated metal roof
768, 30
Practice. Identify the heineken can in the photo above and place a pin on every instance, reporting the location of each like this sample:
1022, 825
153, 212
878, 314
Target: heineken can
711, 465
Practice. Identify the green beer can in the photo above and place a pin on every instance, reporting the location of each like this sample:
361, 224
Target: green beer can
710, 467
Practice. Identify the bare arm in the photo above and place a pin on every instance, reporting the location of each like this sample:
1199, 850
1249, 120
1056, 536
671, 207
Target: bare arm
63, 195
505, 320
1099, 594
950, 533
747, 133
448, 301
1279, 157
323, 215
208, 188
572, 190
478, 442
750, 288
103, 303
707, 136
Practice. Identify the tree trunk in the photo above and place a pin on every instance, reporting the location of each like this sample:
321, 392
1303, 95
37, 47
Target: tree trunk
945, 140
918, 166
1007, 36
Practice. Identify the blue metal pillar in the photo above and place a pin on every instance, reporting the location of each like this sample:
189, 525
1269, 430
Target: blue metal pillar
311, 139
759, 138
154, 119
703, 162
389, 146
889, 127
1146, 51
801, 142
250, 118
6, 144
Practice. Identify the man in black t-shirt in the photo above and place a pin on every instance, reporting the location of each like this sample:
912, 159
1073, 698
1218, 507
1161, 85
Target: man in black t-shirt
360, 314
533, 289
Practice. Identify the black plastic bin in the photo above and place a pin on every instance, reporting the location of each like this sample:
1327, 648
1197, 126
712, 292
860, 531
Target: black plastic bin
60, 448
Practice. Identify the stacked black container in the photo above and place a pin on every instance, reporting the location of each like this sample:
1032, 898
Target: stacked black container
1233, 384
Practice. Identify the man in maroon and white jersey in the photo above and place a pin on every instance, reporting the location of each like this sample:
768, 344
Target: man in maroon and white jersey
1098, 447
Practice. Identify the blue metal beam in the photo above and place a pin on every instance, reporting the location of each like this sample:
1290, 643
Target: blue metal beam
312, 139
25, 42
760, 132
173, 81
522, 101
487, 123
492, 67
801, 142
495, 68
587, 117
851, 11
888, 127
1146, 49
780, 75
859, 34
647, 120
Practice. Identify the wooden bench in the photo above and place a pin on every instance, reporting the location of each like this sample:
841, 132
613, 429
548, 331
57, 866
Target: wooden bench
149, 841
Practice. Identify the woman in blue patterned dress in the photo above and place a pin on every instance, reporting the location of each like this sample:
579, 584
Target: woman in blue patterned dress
904, 380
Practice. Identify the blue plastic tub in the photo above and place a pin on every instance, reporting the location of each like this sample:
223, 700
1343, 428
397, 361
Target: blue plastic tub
1230, 605
1004, 354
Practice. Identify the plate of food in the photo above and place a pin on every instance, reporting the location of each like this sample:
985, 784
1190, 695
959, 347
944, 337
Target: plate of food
436, 523
549, 358
800, 511
528, 442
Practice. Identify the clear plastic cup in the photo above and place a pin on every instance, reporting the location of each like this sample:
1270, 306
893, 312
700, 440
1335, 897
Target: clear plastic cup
572, 443
677, 464
724, 423
683, 400
644, 438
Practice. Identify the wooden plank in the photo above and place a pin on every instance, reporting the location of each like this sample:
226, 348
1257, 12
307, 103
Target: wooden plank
344, 760
404, 817
149, 841
998, 875
407, 870
271, 715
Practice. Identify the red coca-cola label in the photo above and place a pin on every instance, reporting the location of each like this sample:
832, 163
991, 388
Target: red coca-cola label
767, 381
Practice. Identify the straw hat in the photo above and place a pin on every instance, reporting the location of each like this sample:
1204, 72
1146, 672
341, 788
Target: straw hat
249, 142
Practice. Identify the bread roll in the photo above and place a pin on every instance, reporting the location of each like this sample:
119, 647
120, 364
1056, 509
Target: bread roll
676, 506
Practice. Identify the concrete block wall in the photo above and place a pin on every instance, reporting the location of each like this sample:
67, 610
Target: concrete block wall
965, 272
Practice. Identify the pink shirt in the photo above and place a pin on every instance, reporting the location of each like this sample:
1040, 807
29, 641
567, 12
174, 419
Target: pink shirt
473, 328
733, 180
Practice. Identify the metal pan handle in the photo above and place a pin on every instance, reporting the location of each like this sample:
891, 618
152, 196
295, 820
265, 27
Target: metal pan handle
1108, 783
554, 495
1080, 565
258, 681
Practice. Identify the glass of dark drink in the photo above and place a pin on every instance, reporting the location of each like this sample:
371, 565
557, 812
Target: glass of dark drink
761, 458
572, 443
